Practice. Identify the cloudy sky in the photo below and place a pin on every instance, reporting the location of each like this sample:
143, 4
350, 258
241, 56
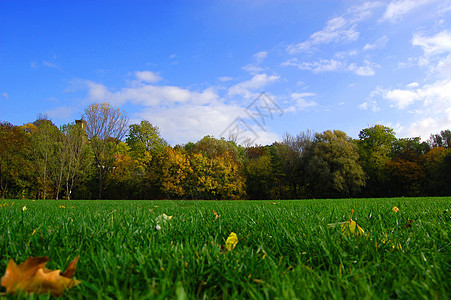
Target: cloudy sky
251, 69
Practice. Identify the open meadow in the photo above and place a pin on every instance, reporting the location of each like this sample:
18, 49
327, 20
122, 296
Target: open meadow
286, 249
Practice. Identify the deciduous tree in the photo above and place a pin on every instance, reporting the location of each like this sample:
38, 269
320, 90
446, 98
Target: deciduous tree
14, 164
375, 149
104, 125
333, 168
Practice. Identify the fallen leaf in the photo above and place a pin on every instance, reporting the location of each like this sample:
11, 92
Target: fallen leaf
408, 224
231, 241
351, 227
161, 219
395, 209
31, 276
216, 214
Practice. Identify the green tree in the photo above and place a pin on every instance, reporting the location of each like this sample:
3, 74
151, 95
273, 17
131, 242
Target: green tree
44, 137
259, 172
105, 125
169, 174
441, 140
125, 177
292, 152
76, 156
14, 165
333, 168
437, 175
405, 170
217, 169
375, 149
145, 137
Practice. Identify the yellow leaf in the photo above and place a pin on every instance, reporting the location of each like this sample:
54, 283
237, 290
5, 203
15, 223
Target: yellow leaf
395, 209
231, 241
351, 227
161, 219
31, 276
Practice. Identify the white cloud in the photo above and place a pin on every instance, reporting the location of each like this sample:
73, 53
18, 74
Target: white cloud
341, 29
366, 70
147, 76
96, 92
300, 102
413, 85
252, 68
50, 65
401, 98
379, 43
62, 112
429, 104
433, 45
345, 54
323, 65
146, 94
364, 105
258, 58
397, 9
182, 114
364, 11
247, 87
437, 53
337, 30
333, 65
190, 121
225, 78
443, 67
433, 112
370, 104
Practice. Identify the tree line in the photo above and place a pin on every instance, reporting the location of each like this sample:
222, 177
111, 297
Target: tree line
101, 156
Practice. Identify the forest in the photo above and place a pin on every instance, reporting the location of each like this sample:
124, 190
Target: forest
101, 156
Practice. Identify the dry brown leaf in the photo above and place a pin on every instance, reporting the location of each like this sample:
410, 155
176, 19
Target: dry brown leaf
216, 214
408, 224
31, 276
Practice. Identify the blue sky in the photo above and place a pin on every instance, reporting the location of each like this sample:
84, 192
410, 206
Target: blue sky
254, 69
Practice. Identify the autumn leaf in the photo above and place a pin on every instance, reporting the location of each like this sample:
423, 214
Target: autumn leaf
231, 241
395, 209
408, 224
216, 214
351, 227
161, 219
31, 276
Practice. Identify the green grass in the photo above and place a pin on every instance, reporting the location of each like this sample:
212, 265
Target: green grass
285, 250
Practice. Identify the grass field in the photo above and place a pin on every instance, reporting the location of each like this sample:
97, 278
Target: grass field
285, 250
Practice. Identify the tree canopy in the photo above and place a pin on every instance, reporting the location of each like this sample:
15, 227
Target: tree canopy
101, 156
